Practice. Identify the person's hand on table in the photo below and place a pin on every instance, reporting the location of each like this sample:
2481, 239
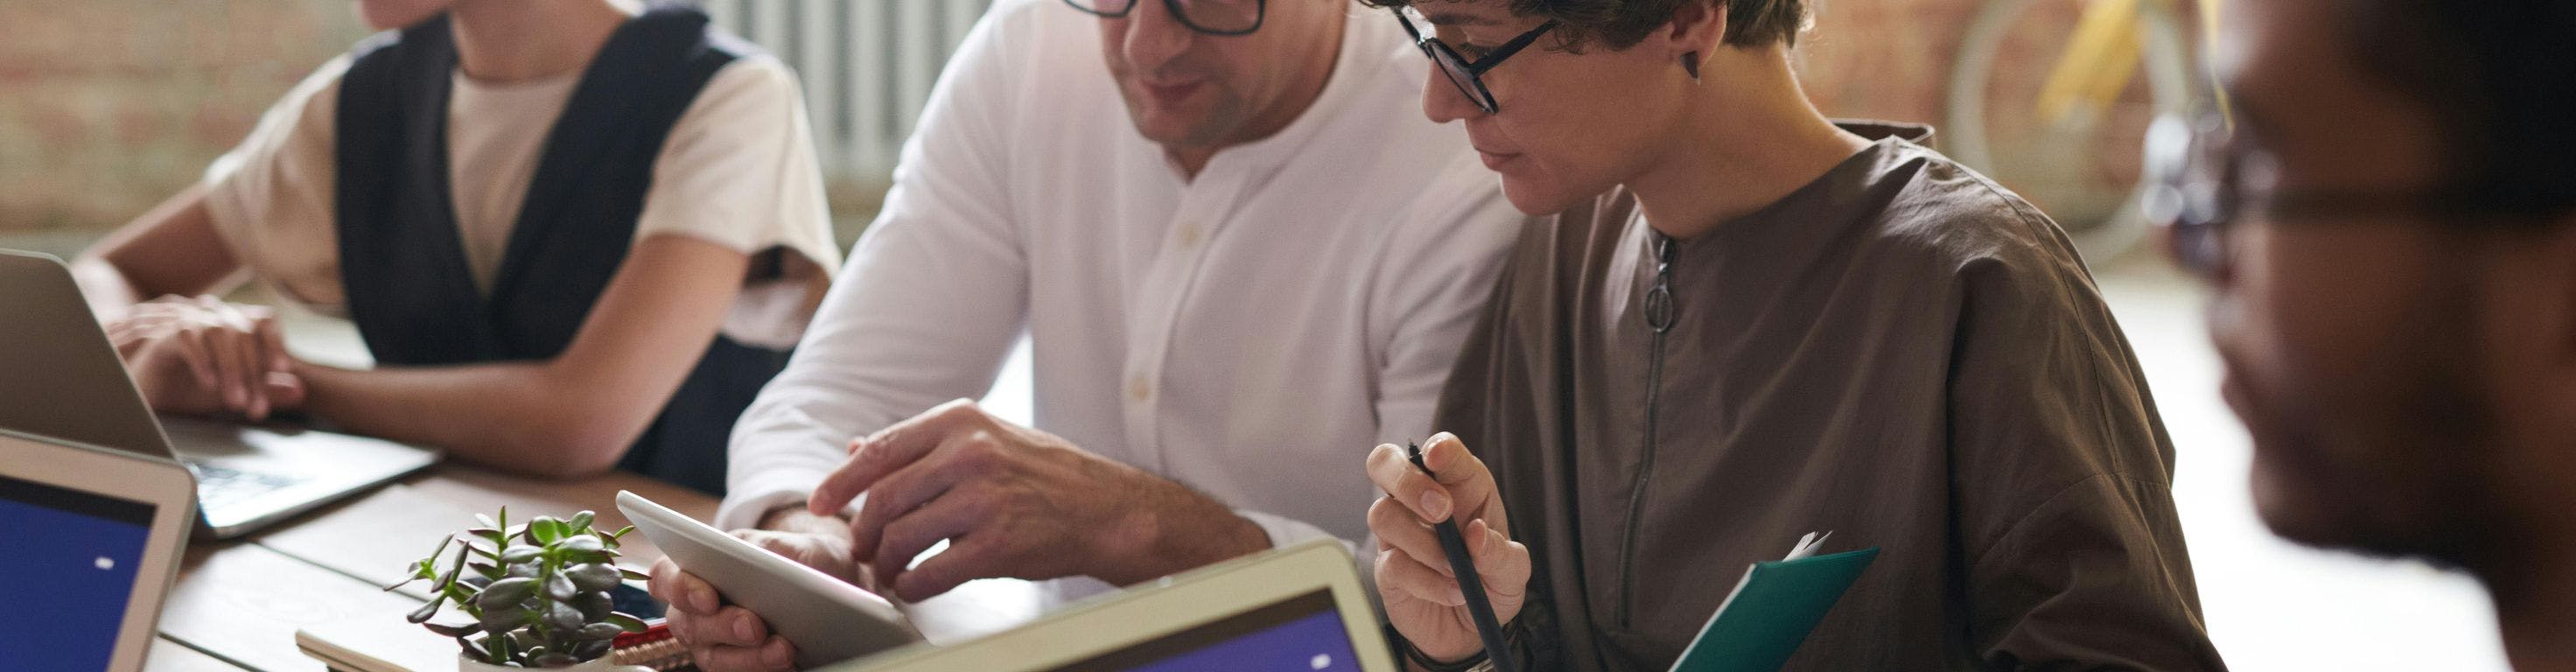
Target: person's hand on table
202, 356
720, 637
1413, 574
1016, 502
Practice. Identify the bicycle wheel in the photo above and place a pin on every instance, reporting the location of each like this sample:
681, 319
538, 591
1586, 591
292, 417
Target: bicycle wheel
2083, 170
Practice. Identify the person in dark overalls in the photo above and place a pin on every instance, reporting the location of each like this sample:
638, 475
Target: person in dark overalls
574, 236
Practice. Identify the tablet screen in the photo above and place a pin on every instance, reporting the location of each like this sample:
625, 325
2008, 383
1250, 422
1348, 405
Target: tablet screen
1299, 634
71, 558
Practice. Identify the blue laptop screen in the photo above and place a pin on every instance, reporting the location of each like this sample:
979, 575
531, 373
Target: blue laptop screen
1299, 634
70, 559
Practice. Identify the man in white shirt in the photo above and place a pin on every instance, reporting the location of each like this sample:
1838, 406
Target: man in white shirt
1228, 306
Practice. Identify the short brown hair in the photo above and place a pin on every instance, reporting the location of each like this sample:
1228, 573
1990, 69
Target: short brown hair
1622, 23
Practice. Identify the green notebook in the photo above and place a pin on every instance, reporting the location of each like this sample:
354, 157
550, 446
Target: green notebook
1772, 608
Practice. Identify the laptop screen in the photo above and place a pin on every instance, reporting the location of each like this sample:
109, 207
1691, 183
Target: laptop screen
70, 558
1299, 634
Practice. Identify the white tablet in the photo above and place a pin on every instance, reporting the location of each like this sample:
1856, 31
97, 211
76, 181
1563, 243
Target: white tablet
827, 619
1297, 609
89, 541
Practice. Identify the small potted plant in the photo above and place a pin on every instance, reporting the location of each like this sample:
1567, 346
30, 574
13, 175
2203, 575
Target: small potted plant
538, 593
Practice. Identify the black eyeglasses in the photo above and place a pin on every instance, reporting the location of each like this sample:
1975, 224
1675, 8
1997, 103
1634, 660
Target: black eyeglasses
1470, 75
1213, 17
2207, 181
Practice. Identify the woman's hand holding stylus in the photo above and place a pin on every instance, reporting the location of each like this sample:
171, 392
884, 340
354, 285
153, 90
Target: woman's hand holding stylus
1413, 576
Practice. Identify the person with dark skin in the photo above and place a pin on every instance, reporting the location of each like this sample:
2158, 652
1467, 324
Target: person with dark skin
2390, 230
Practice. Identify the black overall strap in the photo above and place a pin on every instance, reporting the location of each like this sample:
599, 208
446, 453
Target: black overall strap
589, 188
402, 262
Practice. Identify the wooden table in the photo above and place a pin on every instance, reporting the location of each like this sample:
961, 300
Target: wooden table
238, 603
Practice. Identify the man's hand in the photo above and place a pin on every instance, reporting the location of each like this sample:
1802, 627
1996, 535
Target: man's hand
1017, 502
1413, 574
720, 637
813, 540
725, 638
202, 356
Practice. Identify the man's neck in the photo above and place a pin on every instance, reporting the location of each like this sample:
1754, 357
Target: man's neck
507, 41
1191, 160
2534, 589
1752, 140
1315, 71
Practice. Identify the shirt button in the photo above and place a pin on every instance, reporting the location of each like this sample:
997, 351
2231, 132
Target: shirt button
1190, 234
1139, 389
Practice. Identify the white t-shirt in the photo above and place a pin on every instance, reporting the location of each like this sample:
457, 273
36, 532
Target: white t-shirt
1251, 333
738, 170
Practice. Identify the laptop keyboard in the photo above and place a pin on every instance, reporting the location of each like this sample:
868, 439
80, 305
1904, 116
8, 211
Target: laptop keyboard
218, 486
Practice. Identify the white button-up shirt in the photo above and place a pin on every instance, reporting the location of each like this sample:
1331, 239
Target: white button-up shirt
1250, 333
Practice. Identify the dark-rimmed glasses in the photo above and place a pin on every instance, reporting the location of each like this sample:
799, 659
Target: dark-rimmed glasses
1213, 17
1469, 75
2208, 181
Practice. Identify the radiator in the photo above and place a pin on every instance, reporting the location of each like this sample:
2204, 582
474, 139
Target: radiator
867, 66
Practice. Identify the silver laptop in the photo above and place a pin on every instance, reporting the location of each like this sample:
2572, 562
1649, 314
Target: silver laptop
1297, 609
60, 377
93, 541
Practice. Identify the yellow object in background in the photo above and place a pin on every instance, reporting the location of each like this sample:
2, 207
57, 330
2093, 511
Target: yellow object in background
2098, 62
2104, 54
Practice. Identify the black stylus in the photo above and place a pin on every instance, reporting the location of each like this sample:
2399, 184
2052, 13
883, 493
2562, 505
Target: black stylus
1454, 544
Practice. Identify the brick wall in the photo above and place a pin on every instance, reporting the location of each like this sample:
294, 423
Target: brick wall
108, 106
112, 105
1882, 59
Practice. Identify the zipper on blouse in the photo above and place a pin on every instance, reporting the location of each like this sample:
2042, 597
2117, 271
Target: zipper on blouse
1659, 318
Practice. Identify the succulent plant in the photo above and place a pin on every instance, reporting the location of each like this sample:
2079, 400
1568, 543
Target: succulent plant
538, 592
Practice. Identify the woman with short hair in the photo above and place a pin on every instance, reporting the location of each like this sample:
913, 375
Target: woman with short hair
1751, 322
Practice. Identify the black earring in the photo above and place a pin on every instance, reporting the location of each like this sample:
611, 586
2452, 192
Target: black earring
1690, 64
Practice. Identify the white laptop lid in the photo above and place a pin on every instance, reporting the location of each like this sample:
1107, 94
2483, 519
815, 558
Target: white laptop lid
1299, 609
92, 541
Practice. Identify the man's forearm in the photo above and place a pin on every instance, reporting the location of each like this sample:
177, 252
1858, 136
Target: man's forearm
1184, 531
